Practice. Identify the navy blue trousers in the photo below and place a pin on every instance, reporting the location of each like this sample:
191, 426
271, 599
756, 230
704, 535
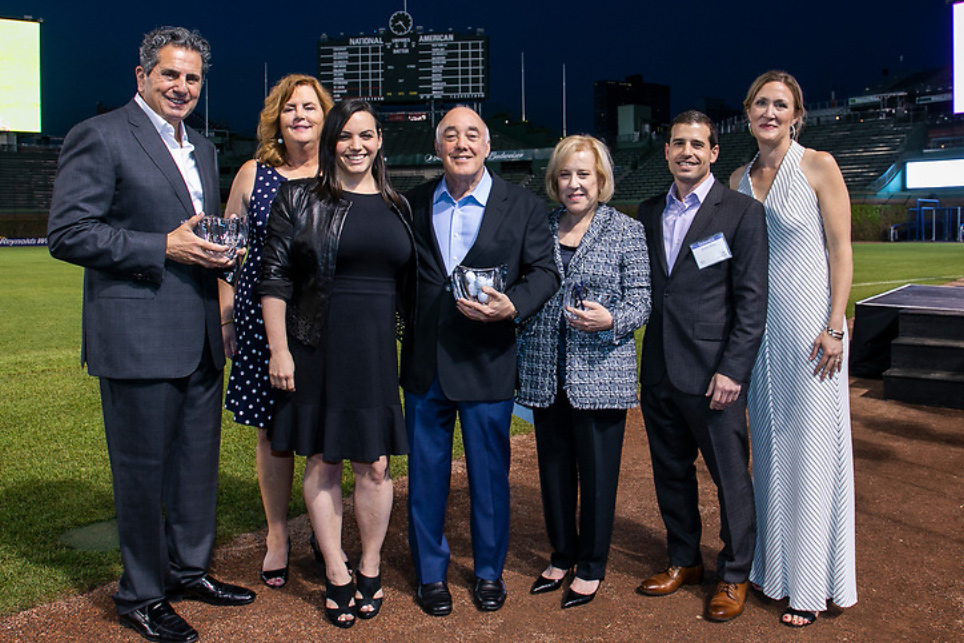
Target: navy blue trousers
430, 422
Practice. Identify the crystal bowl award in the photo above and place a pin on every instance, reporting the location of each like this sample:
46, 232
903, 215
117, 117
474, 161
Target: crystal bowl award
224, 231
467, 283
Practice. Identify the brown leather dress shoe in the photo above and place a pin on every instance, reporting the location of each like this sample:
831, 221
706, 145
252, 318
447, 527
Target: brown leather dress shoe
667, 582
728, 601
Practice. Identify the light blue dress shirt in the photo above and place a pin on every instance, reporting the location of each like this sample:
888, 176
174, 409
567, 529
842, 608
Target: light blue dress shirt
457, 223
678, 217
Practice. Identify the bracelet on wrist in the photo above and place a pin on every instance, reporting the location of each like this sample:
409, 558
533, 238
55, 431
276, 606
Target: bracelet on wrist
227, 321
836, 334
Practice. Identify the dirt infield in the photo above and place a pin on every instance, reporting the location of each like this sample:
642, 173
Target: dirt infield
910, 561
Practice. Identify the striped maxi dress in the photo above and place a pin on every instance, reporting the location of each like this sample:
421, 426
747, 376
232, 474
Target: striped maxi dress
799, 426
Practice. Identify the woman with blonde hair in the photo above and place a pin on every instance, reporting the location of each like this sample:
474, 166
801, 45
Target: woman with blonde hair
798, 400
289, 129
577, 364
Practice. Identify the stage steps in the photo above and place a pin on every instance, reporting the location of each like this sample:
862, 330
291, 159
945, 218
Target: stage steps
927, 359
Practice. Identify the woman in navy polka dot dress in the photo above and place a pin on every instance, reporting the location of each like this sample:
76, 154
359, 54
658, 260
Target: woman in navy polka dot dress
288, 131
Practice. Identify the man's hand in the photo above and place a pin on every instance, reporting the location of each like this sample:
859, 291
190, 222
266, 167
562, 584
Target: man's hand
498, 308
722, 392
183, 246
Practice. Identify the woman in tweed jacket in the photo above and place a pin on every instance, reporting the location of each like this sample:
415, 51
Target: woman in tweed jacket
577, 364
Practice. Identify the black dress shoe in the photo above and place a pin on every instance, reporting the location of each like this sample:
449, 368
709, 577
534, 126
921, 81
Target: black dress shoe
489, 594
573, 598
159, 622
435, 599
543, 585
213, 592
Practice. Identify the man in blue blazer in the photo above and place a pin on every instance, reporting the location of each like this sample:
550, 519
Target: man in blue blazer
130, 186
708, 248
460, 357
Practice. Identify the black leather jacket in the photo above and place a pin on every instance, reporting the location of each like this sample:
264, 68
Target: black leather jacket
300, 252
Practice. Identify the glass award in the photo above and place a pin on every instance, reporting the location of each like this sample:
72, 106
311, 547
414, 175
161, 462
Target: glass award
467, 283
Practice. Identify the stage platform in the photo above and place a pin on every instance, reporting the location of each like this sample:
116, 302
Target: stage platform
875, 322
913, 337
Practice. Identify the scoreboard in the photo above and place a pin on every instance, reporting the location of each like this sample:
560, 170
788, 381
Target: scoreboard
414, 67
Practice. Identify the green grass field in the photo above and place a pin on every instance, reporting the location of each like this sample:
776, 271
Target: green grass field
54, 474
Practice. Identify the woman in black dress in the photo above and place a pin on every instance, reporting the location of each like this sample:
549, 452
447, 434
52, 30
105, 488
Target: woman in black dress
338, 264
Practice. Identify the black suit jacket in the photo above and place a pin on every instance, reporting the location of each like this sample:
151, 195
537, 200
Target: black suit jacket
117, 195
710, 320
476, 361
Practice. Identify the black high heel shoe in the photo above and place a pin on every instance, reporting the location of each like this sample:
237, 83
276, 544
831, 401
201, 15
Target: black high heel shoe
275, 574
367, 587
342, 596
320, 558
573, 598
543, 585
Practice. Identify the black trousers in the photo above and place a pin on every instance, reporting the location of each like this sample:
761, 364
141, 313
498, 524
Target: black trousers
680, 426
163, 438
579, 455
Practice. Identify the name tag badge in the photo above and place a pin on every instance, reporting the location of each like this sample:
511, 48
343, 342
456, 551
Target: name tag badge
711, 250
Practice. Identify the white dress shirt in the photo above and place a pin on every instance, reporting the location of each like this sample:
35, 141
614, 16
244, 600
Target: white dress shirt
182, 153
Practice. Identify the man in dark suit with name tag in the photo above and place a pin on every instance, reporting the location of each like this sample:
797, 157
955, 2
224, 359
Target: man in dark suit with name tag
130, 186
709, 276
460, 357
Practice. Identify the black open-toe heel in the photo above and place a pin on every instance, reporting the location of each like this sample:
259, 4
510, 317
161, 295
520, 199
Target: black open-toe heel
319, 557
342, 596
368, 587
275, 574
807, 617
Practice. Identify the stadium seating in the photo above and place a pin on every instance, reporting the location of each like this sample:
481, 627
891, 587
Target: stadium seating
27, 179
863, 151
407, 137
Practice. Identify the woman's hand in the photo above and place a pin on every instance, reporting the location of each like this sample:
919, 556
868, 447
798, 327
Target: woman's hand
830, 351
230, 338
226, 304
592, 319
281, 371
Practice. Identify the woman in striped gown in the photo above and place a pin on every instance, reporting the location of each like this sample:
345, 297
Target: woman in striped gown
798, 399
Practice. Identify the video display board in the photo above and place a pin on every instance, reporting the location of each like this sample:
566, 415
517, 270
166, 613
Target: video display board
19, 75
946, 173
409, 68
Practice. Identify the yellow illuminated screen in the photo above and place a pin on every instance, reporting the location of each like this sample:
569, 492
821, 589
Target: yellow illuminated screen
19, 76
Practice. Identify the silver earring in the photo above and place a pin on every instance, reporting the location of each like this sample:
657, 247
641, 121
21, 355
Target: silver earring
749, 127
793, 132
281, 141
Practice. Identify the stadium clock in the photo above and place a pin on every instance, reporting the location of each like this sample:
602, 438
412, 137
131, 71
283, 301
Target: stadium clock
400, 23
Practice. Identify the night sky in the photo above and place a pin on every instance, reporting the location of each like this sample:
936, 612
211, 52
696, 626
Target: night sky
699, 48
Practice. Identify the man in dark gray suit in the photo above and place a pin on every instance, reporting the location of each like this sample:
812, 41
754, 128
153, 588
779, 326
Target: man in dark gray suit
709, 276
130, 186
